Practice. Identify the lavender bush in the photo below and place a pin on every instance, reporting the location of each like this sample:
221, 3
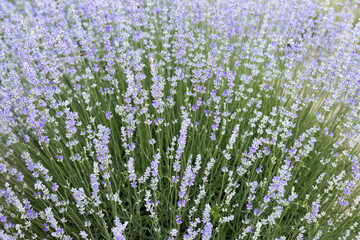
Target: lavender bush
179, 119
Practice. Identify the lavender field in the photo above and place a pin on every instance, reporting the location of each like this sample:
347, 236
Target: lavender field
179, 119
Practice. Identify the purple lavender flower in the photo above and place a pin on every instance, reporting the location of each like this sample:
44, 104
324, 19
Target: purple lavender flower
118, 229
104, 104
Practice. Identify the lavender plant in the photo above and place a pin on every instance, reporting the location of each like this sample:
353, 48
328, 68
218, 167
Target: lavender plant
179, 119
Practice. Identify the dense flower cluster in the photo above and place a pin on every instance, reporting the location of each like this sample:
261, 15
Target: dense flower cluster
188, 119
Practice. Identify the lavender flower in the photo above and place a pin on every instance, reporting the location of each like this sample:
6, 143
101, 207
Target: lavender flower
118, 229
179, 119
